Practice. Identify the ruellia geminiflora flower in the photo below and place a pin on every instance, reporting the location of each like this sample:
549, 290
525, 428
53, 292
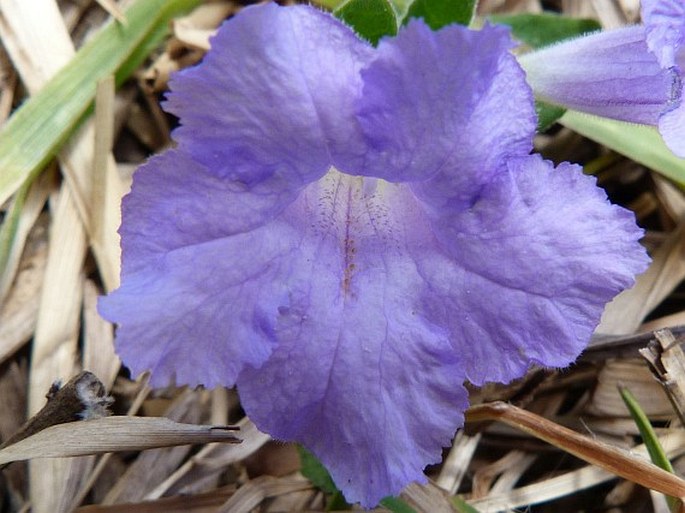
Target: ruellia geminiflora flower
349, 233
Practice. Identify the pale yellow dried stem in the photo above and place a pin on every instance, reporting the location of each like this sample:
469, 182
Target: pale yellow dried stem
610, 458
39, 46
112, 8
629, 309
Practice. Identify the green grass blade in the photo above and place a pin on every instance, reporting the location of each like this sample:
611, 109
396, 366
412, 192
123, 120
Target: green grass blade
656, 452
462, 506
8, 233
538, 30
397, 505
641, 143
37, 129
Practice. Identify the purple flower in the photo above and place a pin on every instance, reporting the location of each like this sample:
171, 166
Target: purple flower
630, 74
665, 26
349, 233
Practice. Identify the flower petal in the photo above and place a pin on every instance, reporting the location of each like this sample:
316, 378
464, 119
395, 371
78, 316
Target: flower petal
274, 96
537, 256
184, 309
176, 202
366, 384
672, 128
665, 24
434, 99
611, 74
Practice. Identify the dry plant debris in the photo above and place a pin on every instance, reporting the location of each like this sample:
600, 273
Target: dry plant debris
65, 253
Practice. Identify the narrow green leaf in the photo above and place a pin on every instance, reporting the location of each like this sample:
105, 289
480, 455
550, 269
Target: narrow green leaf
35, 132
537, 30
651, 441
438, 13
337, 502
397, 505
8, 230
656, 453
462, 506
313, 469
641, 143
371, 19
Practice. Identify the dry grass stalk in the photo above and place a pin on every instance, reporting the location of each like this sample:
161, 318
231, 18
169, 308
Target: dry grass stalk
151, 467
207, 502
485, 479
56, 338
427, 498
214, 458
106, 188
19, 313
39, 46
98, 339
615, 460
667, 361
670, 198
109, 434
457, 462
257, 490
98, 468
196, 28
112, 8
34, 203
633, 374
609, 12
625, 313
568, 483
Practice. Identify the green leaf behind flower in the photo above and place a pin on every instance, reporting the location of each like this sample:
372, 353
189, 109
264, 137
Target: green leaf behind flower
439, 13
538, 30
313, 469
371, 19
374, 19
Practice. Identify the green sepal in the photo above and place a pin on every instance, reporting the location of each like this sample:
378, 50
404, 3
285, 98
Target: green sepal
548, 114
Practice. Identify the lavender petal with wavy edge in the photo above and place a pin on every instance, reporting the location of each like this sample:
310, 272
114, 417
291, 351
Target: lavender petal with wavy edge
350, 233
665, 24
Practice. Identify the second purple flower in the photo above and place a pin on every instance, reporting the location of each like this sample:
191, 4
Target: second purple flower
631, 74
